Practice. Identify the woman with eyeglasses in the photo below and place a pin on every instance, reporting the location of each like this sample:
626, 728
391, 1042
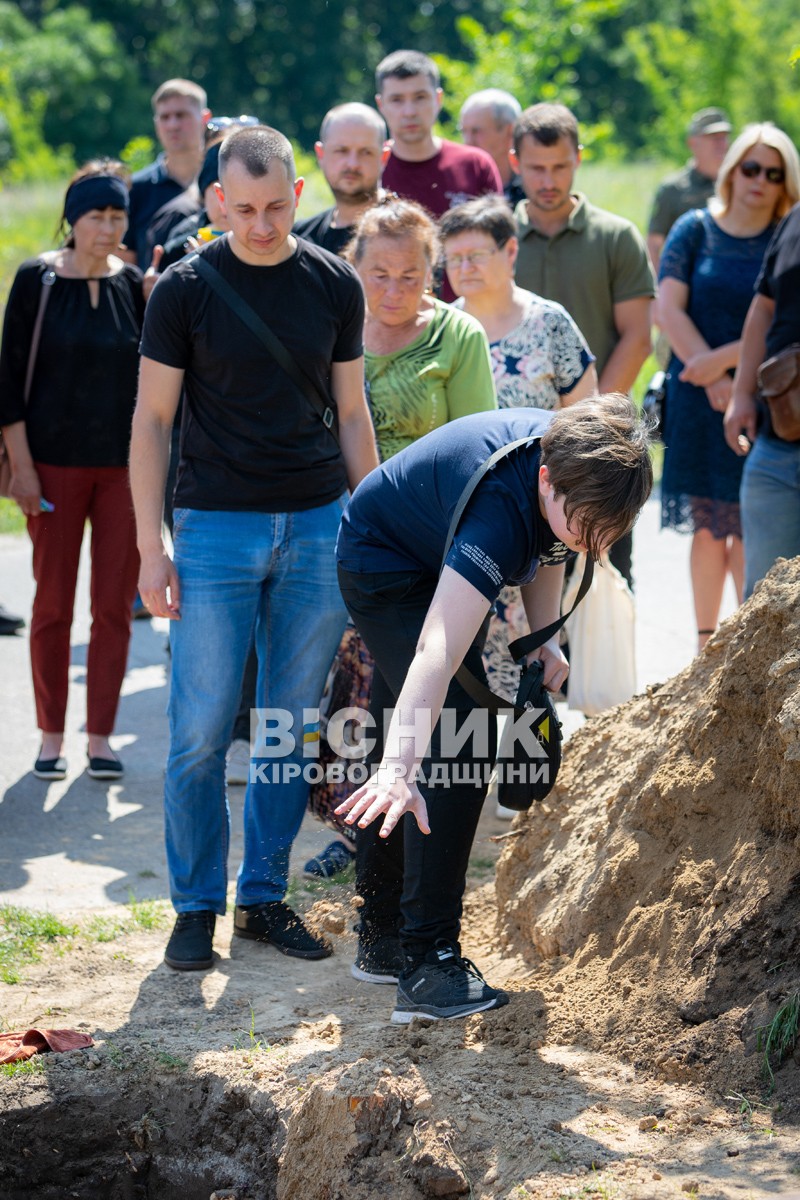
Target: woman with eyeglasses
425, 363
709, 267
539, 360
539, 356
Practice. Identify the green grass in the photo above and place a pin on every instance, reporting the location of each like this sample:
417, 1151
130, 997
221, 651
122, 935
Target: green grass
26, 1066
11, 518
779, 1038
28, 219
23, 933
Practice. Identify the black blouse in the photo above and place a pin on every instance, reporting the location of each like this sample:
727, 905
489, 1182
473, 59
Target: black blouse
83, 390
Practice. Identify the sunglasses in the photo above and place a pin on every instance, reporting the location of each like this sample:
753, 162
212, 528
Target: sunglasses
217, 124
752, 169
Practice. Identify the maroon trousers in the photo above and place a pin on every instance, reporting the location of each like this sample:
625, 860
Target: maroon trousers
102, 496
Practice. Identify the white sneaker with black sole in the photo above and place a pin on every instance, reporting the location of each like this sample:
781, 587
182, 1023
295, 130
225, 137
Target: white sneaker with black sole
444, 986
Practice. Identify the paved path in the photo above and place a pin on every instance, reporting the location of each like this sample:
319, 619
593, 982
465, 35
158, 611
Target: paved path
82, 844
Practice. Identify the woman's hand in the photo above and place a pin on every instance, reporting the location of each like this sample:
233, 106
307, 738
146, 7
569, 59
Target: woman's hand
556, 667
719, 393
703, 369
378, 796
27, 490
740, 423
159, 586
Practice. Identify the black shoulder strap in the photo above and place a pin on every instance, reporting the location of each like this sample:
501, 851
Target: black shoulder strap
531, 641
267, 338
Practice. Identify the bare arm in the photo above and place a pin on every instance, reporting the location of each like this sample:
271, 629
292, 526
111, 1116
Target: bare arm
356, 434
25, 486
454, 618
159, 394
740, 416
586, 386
655, 244
542, 601
632, 322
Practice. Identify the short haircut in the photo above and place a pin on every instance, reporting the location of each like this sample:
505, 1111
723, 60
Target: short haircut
763, 133
354, 112
257, 147
546, 124
395, 218
184, 88
505, 107
598, 454
486, 214
405, 64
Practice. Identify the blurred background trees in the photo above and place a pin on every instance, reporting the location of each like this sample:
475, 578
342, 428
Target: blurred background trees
75, 80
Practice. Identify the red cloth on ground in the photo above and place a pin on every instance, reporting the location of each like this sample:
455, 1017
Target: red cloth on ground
16, 1046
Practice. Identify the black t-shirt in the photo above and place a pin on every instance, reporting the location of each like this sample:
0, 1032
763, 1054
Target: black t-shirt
250, 440
398, 517
83, 389
780, 281
321, 232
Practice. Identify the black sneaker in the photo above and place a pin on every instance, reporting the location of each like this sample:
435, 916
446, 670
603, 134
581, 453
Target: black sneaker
444, 985
379, 959
189, 947
275, 923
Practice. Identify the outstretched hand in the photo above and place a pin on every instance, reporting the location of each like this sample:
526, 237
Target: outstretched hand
394, 799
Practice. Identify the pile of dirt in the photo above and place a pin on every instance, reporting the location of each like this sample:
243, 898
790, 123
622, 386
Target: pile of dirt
659, 889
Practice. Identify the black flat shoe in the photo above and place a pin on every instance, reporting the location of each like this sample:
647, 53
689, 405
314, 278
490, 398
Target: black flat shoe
190, 945
50, 768
105, 768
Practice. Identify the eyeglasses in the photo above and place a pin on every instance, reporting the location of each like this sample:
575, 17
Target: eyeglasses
752, 169
478, 258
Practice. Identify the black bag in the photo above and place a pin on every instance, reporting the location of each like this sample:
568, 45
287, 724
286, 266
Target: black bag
529, 756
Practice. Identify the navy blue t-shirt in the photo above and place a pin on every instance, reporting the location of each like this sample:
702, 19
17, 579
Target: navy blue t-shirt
398, 517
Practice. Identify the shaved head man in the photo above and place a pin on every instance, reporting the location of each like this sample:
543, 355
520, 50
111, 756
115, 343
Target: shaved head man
351, 151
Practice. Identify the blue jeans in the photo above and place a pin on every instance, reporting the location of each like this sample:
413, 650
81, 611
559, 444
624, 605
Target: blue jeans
243, 572
770, 499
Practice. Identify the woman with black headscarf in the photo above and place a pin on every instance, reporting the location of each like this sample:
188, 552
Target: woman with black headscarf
68, 370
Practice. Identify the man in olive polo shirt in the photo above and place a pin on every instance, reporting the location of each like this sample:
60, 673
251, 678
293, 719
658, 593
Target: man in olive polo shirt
591, 261
692, 186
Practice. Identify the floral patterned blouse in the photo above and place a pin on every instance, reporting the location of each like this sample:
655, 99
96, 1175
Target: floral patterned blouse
541, 359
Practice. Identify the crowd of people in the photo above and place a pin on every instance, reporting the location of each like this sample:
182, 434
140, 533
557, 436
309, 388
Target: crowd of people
313, 397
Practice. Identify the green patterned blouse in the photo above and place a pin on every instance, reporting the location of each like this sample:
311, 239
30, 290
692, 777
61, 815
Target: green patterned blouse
444, 373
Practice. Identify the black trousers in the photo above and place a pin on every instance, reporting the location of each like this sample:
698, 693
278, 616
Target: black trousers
414, 882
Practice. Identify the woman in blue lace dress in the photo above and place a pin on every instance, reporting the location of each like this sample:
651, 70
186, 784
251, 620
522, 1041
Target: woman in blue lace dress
539, 360
709, 266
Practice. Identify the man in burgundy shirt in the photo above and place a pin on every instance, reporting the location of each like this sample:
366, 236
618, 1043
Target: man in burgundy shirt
438, 174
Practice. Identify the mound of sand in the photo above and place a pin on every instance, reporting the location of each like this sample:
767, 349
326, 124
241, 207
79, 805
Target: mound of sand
658, 888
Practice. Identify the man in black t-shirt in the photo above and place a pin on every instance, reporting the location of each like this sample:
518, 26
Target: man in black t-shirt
352, 150
261, 486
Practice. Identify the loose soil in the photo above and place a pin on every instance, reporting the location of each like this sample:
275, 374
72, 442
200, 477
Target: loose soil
644, 920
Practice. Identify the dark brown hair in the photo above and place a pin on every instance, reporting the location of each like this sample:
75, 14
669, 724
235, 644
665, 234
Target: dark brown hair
396, 219
405, 64
546, 124
257, 147
598, 454
486, 214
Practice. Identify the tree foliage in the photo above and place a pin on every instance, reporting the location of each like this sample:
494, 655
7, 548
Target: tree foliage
633, 72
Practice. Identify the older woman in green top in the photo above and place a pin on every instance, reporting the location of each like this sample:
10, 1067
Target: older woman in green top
426, 363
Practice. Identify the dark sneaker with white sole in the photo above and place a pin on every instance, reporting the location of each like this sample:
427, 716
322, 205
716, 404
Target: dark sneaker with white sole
443, 986
274, 922
378, 959
190, 946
